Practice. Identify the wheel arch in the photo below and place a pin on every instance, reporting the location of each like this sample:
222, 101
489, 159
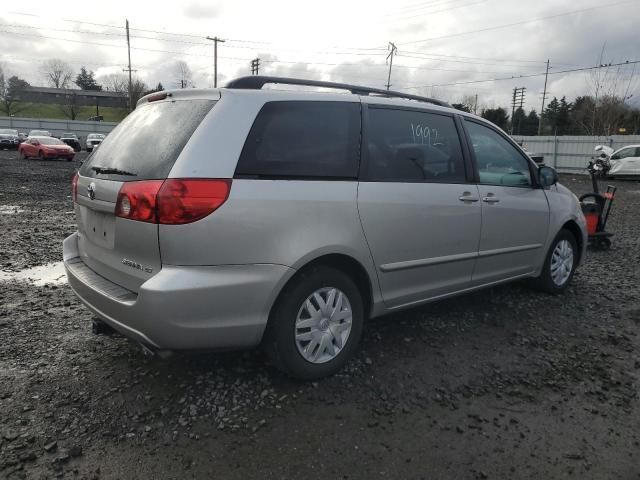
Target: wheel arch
572, 226
345, 263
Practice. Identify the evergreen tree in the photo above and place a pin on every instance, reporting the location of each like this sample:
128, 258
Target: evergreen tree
85, 80
496, 115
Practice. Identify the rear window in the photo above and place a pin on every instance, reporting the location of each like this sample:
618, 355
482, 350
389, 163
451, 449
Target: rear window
300, 139
148, 141
50, 141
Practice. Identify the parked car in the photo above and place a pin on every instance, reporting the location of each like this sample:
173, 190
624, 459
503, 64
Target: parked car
234, 217
624, 162
39, 133
45, 148
9, 138
72, 140
93, 140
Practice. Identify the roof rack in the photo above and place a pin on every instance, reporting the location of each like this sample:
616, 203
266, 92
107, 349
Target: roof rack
256, 82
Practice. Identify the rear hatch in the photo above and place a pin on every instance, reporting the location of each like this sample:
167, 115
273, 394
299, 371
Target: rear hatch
143, 147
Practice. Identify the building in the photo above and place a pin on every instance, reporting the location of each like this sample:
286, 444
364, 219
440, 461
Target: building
63, 96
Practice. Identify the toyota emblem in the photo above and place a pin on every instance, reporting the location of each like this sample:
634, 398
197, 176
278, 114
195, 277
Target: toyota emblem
91, 189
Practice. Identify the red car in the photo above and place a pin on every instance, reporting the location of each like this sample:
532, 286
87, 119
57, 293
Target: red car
45, 147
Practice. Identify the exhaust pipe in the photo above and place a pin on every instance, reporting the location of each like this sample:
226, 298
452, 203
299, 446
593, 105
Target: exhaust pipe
148, 352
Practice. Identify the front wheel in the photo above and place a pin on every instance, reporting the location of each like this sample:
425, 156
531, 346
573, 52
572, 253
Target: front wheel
316, 324
41, 155
22, 155
560, 264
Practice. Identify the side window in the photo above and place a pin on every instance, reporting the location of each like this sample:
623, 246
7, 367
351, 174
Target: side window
624, 153
499, 162
303, 139
413, 146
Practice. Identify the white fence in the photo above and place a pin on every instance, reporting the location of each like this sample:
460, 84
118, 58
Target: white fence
56, 127
572, 153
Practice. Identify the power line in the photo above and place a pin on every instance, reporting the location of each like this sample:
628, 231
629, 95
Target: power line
633, 62
506, 25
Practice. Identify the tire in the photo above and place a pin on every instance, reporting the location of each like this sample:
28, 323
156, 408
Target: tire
22, 155
41, 155
89, 149
290, 313
549, 283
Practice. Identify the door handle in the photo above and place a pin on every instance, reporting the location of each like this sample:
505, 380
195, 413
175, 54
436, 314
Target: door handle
490, 198
467, 197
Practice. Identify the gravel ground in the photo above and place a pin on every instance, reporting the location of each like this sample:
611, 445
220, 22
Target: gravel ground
503, 383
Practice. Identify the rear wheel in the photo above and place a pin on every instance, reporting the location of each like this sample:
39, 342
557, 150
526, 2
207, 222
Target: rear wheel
316, 324
560, 264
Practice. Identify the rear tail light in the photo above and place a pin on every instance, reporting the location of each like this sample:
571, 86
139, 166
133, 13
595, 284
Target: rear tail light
172, 201
74, 187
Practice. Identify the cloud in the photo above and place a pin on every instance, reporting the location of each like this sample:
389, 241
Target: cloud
199, 10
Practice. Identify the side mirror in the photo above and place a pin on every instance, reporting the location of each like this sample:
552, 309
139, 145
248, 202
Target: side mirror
547, 176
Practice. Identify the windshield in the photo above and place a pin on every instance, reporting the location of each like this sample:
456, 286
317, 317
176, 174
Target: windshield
95, 135
35, 133
49, 141
69, 135
6, 131
147, 142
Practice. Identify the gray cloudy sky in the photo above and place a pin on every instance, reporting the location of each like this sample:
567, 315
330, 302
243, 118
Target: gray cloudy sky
439, 42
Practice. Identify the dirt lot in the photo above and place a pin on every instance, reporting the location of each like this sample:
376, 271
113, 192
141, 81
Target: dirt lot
504, 383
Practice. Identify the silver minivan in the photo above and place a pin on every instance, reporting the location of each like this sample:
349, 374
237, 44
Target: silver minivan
243, 216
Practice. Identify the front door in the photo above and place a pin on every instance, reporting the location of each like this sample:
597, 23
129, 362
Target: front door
515, 212
420, 216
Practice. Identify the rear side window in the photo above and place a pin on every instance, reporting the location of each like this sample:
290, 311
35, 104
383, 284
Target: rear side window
303, 139
148, 141
413, 146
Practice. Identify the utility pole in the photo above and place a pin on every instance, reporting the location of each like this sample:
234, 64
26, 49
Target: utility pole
215, 41
544, 97
392, 47
129, 68
518, 101
255, 66
475, 105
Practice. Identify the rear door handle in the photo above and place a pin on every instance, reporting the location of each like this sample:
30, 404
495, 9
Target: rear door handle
467, 197
490, 198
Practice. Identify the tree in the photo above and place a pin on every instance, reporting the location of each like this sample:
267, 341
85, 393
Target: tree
70, 107
138, 90
85, 80
461, 106
183, 75
158, 88
11, 93
116, 82
496, 115
57, 73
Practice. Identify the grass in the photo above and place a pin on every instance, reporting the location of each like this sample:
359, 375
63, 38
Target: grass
48, 110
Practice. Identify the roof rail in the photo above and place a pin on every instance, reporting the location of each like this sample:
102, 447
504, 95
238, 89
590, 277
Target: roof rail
256, 82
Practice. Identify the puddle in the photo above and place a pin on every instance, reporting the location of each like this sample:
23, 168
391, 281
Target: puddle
10, 209
52, 273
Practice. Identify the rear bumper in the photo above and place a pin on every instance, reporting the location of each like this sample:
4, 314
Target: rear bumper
183, 307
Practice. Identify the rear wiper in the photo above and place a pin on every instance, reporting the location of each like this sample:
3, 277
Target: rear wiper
114, 171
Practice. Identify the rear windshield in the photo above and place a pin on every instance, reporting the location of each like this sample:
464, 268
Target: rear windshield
147, 143
50, 141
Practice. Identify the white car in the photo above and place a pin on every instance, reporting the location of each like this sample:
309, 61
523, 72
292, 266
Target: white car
93, 140
624, 162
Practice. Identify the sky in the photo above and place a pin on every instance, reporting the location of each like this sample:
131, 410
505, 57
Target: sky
447, 49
